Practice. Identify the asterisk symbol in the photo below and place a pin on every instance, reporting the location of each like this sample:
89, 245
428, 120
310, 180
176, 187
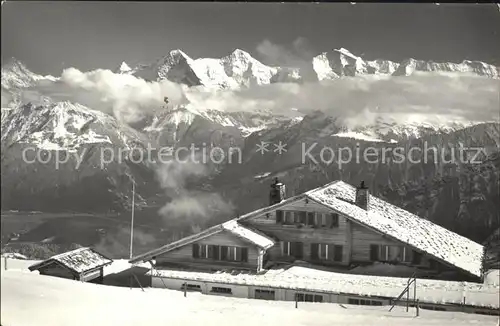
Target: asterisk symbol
280, 148
262, 147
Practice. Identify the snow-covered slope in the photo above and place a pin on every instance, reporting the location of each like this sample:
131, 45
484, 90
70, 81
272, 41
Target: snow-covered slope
62, 126
109, 305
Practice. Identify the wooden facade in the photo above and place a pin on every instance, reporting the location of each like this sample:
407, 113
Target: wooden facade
304, 230
329, 238
222, 250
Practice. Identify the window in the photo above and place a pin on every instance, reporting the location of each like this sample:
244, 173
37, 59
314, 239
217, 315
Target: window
364, 302
433, 308
289, 219
407, 255
300, 217
390, 253
191, 287
303, 297
221, 290
294, 249
264, 294
221, 253
324, 251
279, 216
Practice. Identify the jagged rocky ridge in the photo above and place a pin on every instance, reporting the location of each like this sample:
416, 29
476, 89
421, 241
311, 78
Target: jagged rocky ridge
240, 69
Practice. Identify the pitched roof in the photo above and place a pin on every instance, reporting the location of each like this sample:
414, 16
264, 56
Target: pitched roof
392, 221
232, 226
79, 260
432, 239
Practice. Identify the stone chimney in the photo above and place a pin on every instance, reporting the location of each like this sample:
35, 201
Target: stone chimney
362, 196
277, 193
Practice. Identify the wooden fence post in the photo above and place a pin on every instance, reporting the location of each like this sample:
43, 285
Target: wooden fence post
296, 301
185, 289
5, 263
418, 307
407, 295
414, 290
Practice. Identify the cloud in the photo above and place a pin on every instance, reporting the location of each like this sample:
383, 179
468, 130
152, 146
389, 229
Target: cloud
357, 99
128, 98
189, 206
298, 55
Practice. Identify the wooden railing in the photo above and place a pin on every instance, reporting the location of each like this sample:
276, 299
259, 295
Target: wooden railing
411, 280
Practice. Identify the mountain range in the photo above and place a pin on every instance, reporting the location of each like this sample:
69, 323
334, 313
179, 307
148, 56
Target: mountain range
461, 196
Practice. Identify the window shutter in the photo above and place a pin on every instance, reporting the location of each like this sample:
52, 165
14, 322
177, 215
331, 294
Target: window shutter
279, 216
314, 250
298, 251
196, 250
374, 253
337, 253
244, 254
224, 253
334, 223
216, 252
310, 218
417, 257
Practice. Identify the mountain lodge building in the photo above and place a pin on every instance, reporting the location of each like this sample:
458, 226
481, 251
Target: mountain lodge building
312, 246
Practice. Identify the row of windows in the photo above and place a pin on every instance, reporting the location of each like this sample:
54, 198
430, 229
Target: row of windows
313, 219
191, 287
394, 254
216, 289
221, 253
364, 302
319, 251
304, 297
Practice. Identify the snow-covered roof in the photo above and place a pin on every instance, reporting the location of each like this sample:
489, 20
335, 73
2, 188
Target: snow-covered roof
79, 260
300, 278
253, 236
394, 222
232, 226
403, 226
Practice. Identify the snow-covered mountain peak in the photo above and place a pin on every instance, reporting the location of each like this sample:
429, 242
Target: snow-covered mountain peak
15, 74
58, 126
124, 68
344, 51
239, 53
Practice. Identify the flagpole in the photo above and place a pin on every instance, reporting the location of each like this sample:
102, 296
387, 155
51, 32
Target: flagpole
132, 220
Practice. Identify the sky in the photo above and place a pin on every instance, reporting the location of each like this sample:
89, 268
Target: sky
51, 36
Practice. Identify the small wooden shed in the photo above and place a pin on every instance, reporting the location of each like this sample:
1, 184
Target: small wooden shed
82, 264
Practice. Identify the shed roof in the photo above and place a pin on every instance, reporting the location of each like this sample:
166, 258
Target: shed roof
79, 260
